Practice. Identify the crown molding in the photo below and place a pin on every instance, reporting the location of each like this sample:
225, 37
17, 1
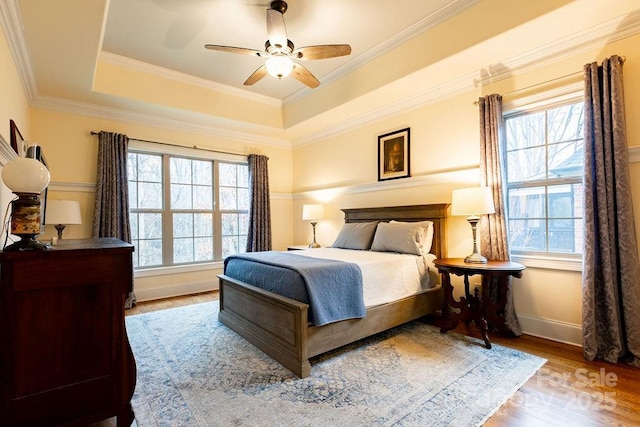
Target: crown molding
11, 23
449, 10
202, 127
574, 44
577, 43
145, 67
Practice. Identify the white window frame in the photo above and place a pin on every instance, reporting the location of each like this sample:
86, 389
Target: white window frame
542, 101
193, 153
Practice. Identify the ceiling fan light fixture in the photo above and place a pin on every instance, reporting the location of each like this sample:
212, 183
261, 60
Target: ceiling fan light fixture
279, 66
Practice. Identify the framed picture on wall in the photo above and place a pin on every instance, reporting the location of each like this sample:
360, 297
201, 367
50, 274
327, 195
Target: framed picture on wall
17, 141
393, 155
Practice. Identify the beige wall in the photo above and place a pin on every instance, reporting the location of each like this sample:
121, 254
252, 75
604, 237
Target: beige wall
341, 172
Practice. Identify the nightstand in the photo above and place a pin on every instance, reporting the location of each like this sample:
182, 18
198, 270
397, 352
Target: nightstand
298, 247
473, 306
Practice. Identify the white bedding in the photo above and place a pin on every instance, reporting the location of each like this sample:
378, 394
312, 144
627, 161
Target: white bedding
386, 276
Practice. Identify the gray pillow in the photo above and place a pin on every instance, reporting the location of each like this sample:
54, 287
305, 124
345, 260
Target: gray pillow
403, 237
356, 235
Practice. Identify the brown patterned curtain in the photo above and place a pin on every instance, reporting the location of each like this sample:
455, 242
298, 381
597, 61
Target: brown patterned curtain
111, 212
494, 242
259, 235
611, 272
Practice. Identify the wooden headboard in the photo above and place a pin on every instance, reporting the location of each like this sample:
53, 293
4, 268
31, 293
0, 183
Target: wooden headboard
436, 213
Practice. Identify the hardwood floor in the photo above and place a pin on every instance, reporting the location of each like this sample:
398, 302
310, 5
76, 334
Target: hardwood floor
567, 391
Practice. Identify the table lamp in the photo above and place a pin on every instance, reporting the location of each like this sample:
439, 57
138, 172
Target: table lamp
313, 213
62, 213
26, 177
474, 202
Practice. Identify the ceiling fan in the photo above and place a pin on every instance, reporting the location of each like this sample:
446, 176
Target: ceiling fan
280, 51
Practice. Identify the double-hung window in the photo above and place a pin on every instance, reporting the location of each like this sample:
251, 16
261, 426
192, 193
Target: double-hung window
186, 209
544, 169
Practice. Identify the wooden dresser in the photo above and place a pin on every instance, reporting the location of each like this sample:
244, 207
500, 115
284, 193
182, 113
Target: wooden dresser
65, 357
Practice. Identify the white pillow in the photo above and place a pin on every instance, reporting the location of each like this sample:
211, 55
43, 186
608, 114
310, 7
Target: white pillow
427, 238
356, 235
403, 237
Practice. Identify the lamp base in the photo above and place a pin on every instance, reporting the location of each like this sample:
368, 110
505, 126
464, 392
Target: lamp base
475, 258
314, 245
26, 243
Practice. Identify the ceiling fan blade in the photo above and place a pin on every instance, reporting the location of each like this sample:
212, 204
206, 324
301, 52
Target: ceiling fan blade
322, 51
232, 49
305, 76
256, 76
276, 29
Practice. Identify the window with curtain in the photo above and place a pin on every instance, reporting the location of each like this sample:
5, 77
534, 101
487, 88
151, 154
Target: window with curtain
544, 150
186, 210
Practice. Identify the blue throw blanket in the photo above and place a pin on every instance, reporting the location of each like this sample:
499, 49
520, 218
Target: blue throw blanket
334, 288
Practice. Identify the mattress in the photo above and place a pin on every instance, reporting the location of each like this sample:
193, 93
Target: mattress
386, 276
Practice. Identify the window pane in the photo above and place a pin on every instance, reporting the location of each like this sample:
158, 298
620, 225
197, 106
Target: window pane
133, 221
228, 200
243, 175
203, 224
527, 234
229, 245
181, 196
132, 166
243, 199
228, 174
526, 202
566, 123
202, 197
566, 159
526, 165
243, 220
565, 235
149, 195
525, 131
229, 224
183, 250
150, 226
203, 249
565, 201
149, 168
182, 225
202, 173
133, 194
150, 253
180, 170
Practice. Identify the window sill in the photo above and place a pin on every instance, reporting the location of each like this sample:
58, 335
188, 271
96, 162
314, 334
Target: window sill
549, 262
178, 269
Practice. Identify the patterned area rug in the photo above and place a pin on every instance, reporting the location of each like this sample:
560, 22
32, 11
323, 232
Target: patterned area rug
194, 371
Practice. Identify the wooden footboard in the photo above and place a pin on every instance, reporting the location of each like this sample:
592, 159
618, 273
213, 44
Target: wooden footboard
279, 326
275, 324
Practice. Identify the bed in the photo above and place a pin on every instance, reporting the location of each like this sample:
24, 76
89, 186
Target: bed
280, 327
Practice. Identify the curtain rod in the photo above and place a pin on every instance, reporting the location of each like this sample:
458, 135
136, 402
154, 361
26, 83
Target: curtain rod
622, 59
195, 147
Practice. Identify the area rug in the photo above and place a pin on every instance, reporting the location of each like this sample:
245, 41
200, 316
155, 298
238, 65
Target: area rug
194, 371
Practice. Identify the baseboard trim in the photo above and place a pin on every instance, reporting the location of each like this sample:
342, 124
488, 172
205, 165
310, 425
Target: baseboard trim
175, 290
567, 333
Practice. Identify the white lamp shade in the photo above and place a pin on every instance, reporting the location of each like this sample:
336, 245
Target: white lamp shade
312, 212
472, 201
25, 175
279, 66
63, 212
